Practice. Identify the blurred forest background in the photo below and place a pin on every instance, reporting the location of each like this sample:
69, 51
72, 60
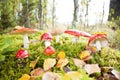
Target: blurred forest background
87, 15
41, 14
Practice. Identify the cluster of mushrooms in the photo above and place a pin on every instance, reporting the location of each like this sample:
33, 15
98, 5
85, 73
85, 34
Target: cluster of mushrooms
95, 42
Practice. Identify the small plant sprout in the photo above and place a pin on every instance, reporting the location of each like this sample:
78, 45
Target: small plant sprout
24, 32
98, 41
76, 34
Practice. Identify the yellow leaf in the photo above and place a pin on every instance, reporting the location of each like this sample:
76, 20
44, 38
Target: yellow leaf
84, 54
61, 55
49, 63
73, 75
24, 77
33, 63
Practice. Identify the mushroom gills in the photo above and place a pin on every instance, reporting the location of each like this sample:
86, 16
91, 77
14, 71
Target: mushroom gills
74, 39
98, 45
26, 41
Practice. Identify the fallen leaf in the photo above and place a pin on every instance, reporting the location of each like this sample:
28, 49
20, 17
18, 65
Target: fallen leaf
62, 62
92, 68
61, 55
24, 77
51, 76
78, 62
116, 74
37, 72
73, 75
49, 63
33, 63
84, 54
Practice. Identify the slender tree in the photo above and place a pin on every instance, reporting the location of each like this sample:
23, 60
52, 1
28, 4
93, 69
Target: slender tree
53, 14
75, 15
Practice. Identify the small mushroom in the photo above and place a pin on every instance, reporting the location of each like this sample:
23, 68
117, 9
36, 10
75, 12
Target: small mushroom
98, 41
76, 34
49, 50
25, 32
47, 37
22, 54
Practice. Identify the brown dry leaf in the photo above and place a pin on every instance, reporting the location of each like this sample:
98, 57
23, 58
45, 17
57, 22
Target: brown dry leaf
49, 63
33, 63
78, 62
37, 72
61, 55
73, 75
84, 54
51, 76
116, 74
62, 62
24, 77
92, 68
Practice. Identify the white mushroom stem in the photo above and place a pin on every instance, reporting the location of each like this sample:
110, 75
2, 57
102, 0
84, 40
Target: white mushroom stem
74, 39
57, 38
26, 41
47, 43
98, 45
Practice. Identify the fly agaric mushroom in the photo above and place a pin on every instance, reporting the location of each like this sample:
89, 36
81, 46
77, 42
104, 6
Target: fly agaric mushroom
97, 41
22, 54
76, 34
47, 37
25, 32
49, 50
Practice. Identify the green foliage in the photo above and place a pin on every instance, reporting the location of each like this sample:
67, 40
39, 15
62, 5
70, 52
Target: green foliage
115, 40
108, 57
12, 68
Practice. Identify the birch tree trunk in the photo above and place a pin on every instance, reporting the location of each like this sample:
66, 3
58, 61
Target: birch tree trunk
53, 14
75, 15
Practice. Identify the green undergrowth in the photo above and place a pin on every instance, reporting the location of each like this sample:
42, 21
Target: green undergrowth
12, 68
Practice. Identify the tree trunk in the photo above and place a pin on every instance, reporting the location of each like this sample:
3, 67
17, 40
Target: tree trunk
103, 13
86, 15
40, 14
27, 14
114, 9
75, 15
45, 13
53, 14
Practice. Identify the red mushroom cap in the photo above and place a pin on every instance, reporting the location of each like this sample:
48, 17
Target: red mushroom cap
97, 36
23, 30
77, 33
46, 36
22, 54
49, 50
72, 32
